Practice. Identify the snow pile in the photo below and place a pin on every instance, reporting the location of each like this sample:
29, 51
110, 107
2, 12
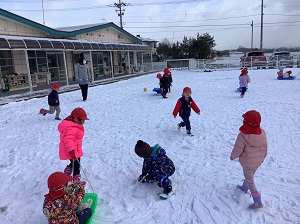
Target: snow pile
121, 113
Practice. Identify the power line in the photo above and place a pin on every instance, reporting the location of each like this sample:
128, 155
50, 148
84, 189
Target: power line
57, 10
208, 25
135, 4
200, 20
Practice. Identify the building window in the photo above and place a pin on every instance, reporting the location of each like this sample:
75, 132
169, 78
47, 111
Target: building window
6, 64
37, 62
56, 66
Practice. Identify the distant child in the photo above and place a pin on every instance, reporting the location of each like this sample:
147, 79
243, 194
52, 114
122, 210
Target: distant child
183, 106
251, 149
157, 166
63, 202
53, 101
169, 75
280, 72
164, 83
70, 147
159, 76
244, 80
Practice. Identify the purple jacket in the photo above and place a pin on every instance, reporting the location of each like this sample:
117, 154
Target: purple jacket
243, 81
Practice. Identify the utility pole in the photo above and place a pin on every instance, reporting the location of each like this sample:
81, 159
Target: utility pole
120, 10
43, 12
252, 35
261, 24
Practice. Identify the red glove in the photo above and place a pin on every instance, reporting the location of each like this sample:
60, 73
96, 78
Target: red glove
72, 154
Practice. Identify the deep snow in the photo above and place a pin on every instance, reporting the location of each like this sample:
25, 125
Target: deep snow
205, 178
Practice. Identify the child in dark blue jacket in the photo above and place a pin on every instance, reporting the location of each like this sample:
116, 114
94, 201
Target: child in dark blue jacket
157, 166
183, 107
53, 101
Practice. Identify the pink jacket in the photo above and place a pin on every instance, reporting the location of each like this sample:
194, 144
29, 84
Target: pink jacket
250, 149
71, 135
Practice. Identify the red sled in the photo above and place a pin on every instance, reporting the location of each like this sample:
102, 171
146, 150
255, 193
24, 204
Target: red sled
42, 110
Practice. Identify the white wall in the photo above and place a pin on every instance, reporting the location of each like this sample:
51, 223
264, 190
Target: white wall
9, 27
106, 35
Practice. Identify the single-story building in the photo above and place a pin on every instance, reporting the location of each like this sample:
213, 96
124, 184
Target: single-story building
32, 54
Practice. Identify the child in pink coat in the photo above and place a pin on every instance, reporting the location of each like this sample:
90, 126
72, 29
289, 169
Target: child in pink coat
244, 79
251, 149
70, 147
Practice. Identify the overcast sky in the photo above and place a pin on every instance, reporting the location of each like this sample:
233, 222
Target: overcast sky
228, 21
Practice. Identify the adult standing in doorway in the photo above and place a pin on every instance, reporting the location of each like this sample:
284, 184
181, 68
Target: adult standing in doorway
83, 77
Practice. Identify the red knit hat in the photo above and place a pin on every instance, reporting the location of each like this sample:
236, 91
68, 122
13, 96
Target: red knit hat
166, 71
251, 123
159, 76
56, 183
186, 89
244, 71
78, 113
55, 86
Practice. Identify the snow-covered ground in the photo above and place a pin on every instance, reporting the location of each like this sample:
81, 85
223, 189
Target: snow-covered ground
122, 113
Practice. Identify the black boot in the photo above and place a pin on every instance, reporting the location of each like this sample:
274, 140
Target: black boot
167, 190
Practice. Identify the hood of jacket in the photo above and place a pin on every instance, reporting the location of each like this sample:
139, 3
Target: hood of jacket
67, 124
256, 140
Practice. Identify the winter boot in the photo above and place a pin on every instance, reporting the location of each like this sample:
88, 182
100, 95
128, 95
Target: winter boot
244, 187
68, 171
58, 118
44, 113
167, 190
188, 132
242, 95
76, 178
257, 201
42, 110
178, 126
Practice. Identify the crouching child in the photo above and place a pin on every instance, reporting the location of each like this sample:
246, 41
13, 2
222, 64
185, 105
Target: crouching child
63, 203
157, 167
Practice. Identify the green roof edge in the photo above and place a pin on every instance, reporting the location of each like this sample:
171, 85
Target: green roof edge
58, 33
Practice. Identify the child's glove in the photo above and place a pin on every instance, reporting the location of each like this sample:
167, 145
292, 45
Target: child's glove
72, 154
142, 178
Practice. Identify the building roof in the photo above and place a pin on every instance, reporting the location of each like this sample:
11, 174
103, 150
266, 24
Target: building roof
71, 31
35, 43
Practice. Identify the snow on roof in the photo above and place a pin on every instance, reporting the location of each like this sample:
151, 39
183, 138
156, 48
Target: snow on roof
78, 27
146, 39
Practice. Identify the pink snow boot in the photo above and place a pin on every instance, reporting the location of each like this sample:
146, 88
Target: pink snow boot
68, 171
76, 178
244, 187
257, 201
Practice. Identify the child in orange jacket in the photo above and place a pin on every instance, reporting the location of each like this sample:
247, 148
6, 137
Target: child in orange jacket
183, 107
